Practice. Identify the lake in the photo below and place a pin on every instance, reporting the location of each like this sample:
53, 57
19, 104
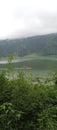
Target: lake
39, 66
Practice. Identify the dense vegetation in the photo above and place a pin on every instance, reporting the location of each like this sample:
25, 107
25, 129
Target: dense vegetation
41, 45
27, 106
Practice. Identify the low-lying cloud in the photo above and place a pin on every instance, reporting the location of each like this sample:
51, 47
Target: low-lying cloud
23, 18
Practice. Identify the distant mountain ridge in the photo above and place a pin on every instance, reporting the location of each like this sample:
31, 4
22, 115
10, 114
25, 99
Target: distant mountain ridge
42, 45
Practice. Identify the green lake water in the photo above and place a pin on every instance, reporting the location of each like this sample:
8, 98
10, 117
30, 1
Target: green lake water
39, 66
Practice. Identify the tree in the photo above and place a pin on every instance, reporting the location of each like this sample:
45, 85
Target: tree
10, 66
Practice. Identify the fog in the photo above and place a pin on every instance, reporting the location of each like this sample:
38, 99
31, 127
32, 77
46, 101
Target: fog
23, 18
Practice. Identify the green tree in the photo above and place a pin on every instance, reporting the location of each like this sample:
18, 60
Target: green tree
10, 66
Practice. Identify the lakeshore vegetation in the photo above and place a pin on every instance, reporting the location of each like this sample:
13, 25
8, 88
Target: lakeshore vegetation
27, 106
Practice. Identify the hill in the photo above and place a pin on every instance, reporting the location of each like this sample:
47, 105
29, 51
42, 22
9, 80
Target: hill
41, 45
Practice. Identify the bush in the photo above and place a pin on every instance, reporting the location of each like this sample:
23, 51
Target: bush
9, 117
35, 106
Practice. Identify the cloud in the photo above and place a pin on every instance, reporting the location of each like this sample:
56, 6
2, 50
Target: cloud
23, 18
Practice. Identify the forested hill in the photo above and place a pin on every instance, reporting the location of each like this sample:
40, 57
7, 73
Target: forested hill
42, 45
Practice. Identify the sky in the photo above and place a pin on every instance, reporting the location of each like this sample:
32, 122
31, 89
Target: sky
23, 18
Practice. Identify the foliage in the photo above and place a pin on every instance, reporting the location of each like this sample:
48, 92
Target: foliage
5, 89
9, 117
27, 106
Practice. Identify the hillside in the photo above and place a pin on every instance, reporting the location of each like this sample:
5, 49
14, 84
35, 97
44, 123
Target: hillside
42, 45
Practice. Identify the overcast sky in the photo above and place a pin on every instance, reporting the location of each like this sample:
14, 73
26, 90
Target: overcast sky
23, 18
